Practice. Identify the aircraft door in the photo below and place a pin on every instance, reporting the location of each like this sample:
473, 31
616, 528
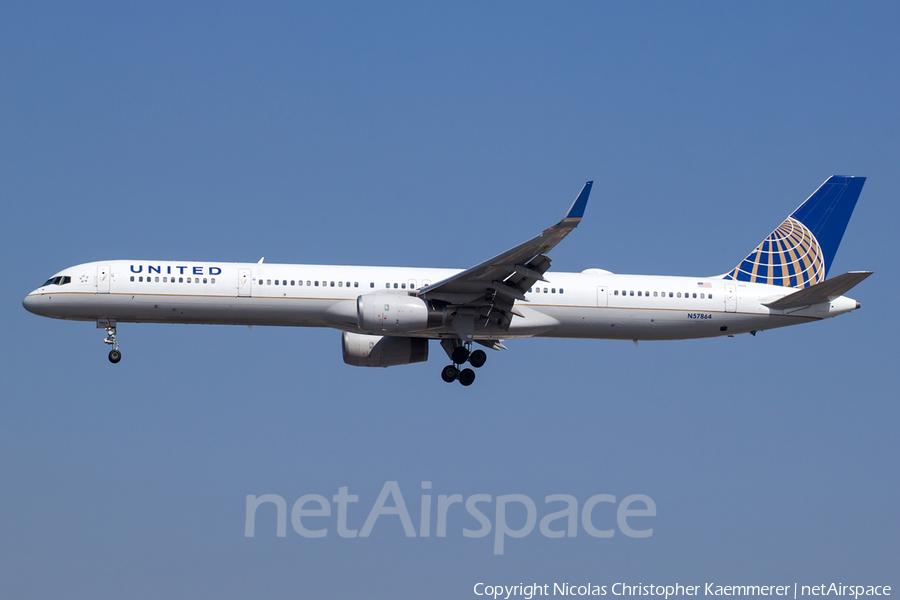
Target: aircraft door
730, 298
602, 296
245, 282
103, 279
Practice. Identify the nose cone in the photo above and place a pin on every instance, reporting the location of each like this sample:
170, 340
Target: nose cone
32, 303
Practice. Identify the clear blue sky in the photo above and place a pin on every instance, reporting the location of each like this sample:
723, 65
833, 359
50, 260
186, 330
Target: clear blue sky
440, 135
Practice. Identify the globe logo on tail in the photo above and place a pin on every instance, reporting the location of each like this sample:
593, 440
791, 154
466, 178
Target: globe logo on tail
790, 257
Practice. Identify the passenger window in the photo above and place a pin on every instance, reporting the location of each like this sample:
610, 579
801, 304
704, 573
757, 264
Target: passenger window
268, 281
403, 286
387, 286
552, 290
181, 280
702, 295
371, 284
710, 296
284, 282
631, 293
560, 290
348, 284
140, 279
616, 293
204, 280
654, 294
639, 293
332, 284
165, 280
545, 290
679, 294
213, 280
530, 290
132, 277
695, 294
647, 294
671, 295
340, 284
356, 284
395, 286
276, 282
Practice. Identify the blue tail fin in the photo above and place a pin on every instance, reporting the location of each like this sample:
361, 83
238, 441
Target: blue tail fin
799, 253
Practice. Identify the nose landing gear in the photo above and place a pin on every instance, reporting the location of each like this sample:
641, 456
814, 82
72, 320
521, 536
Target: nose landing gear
110, 326
460, 354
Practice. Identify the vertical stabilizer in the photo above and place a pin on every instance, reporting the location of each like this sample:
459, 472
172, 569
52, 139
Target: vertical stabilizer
800, 251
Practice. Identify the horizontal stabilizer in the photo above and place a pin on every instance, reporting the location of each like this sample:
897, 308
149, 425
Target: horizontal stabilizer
826, 291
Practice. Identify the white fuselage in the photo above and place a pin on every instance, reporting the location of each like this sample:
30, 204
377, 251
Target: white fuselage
592, 304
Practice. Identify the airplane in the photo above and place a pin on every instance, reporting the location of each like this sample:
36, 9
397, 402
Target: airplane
387, 315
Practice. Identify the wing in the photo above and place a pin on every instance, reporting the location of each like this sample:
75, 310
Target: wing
488, 292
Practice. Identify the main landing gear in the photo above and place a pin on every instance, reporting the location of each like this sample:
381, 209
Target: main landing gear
460, 355
114, 355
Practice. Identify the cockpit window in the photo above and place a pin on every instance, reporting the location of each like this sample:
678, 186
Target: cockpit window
58, 281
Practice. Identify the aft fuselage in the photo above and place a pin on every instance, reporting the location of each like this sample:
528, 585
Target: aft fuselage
592, 304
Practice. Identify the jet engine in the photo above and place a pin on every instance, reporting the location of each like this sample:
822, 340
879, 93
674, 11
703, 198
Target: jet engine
392, 313
362, 350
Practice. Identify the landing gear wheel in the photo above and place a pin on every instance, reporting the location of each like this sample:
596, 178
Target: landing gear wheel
115, 356
467, 377
460, 355
448, 374
477, 358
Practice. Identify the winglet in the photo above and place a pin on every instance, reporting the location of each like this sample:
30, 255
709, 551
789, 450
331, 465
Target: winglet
577, 209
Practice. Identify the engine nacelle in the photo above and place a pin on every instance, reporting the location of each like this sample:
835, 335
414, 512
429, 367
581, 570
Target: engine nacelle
361, 350
392, 313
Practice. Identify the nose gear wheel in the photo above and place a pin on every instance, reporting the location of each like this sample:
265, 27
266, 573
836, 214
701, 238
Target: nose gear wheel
115, 355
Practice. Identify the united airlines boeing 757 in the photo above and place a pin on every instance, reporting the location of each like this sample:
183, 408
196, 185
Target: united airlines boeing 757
387, 315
